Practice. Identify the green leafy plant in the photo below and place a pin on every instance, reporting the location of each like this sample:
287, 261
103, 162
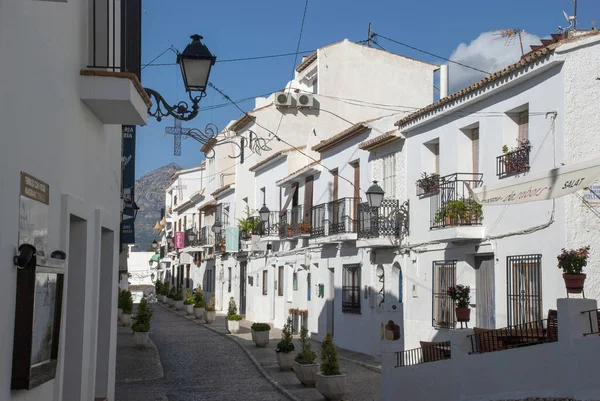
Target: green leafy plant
199, 298
189, 301
248, 224
127, 302
330, 365
460, 294
234, 317
232, 309
172, 293
459, 211
166, 287
178, 295
143, 318
158, 287
120, 299
260, 327
429, 183
306, 356
211, 305
286, 345
572, 261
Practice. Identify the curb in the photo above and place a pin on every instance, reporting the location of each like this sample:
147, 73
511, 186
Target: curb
275, 384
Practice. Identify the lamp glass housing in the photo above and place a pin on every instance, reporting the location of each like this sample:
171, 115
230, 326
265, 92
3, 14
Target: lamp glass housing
264, 213
196, 62
375, 195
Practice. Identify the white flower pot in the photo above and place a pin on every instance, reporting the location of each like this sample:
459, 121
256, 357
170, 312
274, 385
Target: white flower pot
171, 302
285, 360
209, 316
307, 374
260, 338
233, 326
119, 313
163, 299
199, 313
126, 319
178, 305
331, 387
189, 309
140, 338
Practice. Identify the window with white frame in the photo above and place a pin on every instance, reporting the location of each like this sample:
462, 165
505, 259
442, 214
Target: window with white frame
388, 173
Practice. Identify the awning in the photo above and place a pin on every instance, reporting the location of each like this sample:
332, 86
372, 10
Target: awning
550, 184
155, 257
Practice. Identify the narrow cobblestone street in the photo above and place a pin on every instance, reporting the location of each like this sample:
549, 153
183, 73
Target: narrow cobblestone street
198, 364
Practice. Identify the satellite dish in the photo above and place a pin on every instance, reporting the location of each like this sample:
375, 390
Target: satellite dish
379, 271
568, 17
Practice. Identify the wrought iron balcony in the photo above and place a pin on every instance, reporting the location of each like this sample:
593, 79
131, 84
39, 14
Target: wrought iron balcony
428, 185
453, 205
272, 227
320, 223
220, 242
342, 215
514, 162
389, 220
207, 238
295, 223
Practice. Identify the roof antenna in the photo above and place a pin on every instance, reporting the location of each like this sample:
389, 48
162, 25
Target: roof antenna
369, 36
571, 19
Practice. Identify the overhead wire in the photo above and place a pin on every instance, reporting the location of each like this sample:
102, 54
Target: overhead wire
231, 60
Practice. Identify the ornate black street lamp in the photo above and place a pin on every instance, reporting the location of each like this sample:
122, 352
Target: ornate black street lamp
264, 213
216, 228
154, 244
375, 195
196, 62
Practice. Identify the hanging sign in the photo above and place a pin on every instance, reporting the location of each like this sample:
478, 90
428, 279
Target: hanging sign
33, 213
128, 183
179, 240
550, 184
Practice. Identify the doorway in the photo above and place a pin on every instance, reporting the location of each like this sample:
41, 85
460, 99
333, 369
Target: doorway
331, 302
485, 299
243, 268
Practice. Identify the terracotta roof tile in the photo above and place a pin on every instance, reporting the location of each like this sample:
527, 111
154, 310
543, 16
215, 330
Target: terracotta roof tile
273, 157
224, 188
343, 136
538, 52
378, 141
298, 171
306, 62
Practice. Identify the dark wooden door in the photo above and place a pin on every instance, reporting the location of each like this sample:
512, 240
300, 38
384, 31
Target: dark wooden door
243, 279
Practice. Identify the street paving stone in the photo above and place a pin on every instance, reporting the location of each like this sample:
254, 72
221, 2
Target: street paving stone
198, 364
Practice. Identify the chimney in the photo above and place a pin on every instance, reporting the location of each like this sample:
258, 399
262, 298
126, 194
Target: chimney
443, 81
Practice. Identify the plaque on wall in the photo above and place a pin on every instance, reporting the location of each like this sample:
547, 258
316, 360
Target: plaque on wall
39, 292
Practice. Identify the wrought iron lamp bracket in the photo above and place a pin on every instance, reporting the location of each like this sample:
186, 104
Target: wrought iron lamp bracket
181, 111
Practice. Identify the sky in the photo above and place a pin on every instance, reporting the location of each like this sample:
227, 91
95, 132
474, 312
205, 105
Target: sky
465, 31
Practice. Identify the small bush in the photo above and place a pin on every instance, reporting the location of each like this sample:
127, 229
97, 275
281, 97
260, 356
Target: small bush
189, 301
158, 287
199, 298
286, 345
234, 317
232, 310
178, 295
143, 319
211, 305
172, 293
330, 365
306, 356
260, 327
127, 302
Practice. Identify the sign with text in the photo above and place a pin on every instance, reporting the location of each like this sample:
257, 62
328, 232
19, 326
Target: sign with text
592, 193
179, 240
550, 184
33, 213
128, 182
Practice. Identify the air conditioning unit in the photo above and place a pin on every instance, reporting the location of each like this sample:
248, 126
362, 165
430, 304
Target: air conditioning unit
305, 100
283, 99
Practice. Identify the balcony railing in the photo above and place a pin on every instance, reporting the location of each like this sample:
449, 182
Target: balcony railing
453, 205
271, 228
428, 185
294, 223
427, 353
342, 216
593, 317
319, 226
522, 335
513, 162
391, 219
207, 237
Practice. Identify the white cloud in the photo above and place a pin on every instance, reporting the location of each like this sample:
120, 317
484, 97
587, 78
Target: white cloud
489, 52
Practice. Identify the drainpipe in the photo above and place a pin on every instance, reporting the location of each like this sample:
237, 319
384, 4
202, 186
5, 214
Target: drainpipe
443, 81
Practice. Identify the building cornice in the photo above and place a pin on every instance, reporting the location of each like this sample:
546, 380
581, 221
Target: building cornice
340, 138
381, 140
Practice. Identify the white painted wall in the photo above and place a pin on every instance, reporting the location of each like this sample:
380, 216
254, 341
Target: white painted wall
139, 267
49, 133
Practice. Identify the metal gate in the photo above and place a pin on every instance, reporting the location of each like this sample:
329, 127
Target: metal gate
444, 276
243, 279
524, 289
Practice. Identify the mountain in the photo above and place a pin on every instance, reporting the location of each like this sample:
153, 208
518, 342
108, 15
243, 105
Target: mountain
150, 197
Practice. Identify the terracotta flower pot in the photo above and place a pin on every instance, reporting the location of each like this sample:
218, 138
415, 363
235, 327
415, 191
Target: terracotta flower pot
463, 314
574, 282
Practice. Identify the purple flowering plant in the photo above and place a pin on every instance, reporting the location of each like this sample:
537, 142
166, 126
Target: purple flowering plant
460, 294
572, 261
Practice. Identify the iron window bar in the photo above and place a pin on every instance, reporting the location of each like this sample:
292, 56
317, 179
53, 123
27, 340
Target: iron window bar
515, 336
389, 220
342, 215
524, 288
513, 163
320, 224
444, 276
104, 35
430, 353
593, 315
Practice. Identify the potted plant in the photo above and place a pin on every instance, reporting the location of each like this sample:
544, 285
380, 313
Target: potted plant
233, 319
189, 302
461, 295
199, 304
572, 262
260, 334
127, 308
165, 291
141, 327
304, 227
474, 212
209, 311
516, 162
290, 231
178, 300
221, 245
285, 357
304, 365
451, 213
171, 297
430, 184
330, 382
248, 225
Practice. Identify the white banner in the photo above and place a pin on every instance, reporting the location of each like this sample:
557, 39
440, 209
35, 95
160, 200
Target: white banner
550, 184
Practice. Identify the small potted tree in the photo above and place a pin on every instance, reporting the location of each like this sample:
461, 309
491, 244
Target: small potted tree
172, 296
330, 382
199, 304
141, 327
304, 365
233, 319
304, 227
260, 334
178, 299
572, 262
209, 311
461, 295
127, 308
285, 357
189, 302
158, 289
166, 288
